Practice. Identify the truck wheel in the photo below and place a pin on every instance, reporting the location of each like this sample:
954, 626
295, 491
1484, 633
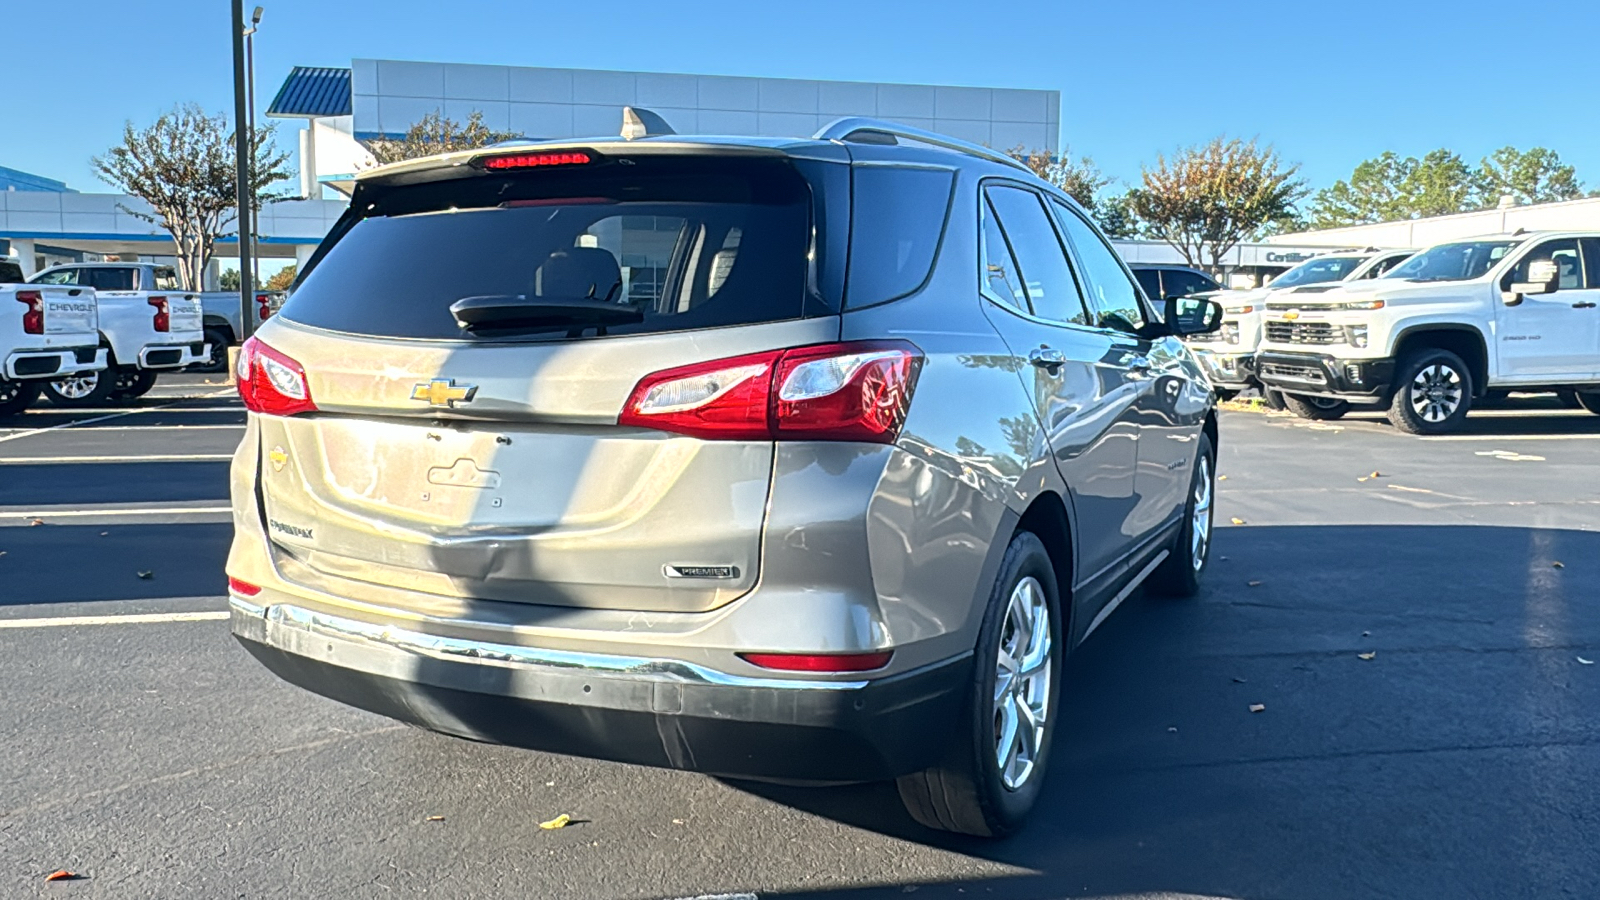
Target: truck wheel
1224, 395
1272, 397
996, 762
1179, 575
218, 361
86, 389
135, 384
1433, 391
1590, 400
16, 396
1321, 408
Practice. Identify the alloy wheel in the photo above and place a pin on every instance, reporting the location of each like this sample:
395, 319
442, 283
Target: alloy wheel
1436, 392
1200, 524
1022, 683
77, 387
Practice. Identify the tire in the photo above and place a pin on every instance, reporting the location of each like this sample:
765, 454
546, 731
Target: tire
1433, 391
1319, 408
970, 792
1224, 395
1273, 398
218, 361
88, 389
16, 396
1179, 575
1590, 400
133, 385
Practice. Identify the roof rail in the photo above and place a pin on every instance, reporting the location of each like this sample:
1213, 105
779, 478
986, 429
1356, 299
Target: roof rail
861, 130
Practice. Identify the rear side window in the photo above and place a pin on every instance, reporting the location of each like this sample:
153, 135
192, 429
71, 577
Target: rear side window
1051, 290
1112, 296
1591, 261
113, 279
898, 216
1150, 280
59, 276
166, 279
1183, 284
688, 242
10, 273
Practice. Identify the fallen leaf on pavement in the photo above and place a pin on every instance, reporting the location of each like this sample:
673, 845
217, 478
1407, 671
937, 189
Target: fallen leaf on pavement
146, 574
1554, 565
1362, 478
1254, 583
62, 875
677, 821
1586, 662
558, 822
1238, 521
1366, 655
1171, 729
1222, 478
434, 819
1238, 680
1376, 475
35, 521
1257, 707
1366, 634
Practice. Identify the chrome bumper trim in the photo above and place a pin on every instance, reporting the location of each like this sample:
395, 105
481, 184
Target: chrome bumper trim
272, 623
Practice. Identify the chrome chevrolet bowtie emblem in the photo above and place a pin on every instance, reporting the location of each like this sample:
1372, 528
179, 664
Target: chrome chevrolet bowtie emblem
444, 392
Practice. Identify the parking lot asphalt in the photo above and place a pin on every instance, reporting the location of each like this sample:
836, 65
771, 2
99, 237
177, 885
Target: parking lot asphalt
1415, 615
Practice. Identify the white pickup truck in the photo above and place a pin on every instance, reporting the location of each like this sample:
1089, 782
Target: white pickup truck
1447, 327
45, 332
146, 327
1229, 352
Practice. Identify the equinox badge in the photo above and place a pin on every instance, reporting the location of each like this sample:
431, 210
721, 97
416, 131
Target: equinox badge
444, 393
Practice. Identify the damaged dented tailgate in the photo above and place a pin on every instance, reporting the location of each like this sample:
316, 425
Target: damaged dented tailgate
489, 464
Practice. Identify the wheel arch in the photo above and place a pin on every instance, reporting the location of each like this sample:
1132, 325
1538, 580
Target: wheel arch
1464, 341
1048, 519
218, 323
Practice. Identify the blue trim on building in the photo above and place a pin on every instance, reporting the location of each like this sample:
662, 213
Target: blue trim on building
313, 92
153, 238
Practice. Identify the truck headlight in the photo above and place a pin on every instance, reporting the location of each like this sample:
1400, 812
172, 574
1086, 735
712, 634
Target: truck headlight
1361, 304
1356, 335
1238, 310
1230, 332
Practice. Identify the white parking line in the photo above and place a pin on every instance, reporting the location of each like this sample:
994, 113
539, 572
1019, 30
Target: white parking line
48, 514
34, 431
1512, 437
127, 619
57, 411
52, 460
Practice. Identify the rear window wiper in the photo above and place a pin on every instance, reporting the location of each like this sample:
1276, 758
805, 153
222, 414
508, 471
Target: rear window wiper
507, 313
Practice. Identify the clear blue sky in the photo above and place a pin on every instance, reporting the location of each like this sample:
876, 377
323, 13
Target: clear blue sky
1136, 78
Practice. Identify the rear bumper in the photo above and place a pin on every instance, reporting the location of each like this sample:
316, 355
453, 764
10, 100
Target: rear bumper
174, 356
654, 712
1325, 375
25, 365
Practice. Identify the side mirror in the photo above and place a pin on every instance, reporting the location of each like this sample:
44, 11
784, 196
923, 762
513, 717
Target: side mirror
1544, 277
1192, 315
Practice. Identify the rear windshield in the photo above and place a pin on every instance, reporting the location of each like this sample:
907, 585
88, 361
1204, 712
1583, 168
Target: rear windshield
11, 273
688, 242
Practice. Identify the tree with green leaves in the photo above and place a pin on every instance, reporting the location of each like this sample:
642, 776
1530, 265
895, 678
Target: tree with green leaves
1204, 200
1116, 216
1390, 187
1078, 178
282, 280
182, 165
433, 134
1536, 176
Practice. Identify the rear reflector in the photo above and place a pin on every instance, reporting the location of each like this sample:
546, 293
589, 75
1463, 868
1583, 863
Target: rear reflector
242, 588
857, 391
536, 160
819, 662
271, 383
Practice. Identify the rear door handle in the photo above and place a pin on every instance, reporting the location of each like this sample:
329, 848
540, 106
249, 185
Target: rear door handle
1583, 304
1047, 358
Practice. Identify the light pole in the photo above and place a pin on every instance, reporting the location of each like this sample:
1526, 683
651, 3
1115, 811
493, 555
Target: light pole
243, 153
250, 107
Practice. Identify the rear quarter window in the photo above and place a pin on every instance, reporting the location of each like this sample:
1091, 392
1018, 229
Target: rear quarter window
690, 242
897, 221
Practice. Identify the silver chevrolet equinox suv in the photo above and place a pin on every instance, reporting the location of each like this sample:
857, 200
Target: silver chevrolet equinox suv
803, 460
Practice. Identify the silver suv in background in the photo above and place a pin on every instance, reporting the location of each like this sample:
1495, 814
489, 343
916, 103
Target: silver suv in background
796, 459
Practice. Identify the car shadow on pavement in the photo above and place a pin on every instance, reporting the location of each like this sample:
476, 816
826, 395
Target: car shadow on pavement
1459, 759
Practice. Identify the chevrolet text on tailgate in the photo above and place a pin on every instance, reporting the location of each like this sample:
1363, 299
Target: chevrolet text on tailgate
1445, 328
800, 459
146, 325
45, 333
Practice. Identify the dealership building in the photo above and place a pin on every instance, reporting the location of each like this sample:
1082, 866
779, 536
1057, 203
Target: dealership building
43, 222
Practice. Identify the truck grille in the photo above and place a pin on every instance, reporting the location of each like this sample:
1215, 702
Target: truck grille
1302, 332
1298, 373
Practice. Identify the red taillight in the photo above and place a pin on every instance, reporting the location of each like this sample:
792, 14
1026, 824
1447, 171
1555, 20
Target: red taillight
265, 310
272, 383
856, 391
163, 318
242, 588
819, 662
33, 319
536, 160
